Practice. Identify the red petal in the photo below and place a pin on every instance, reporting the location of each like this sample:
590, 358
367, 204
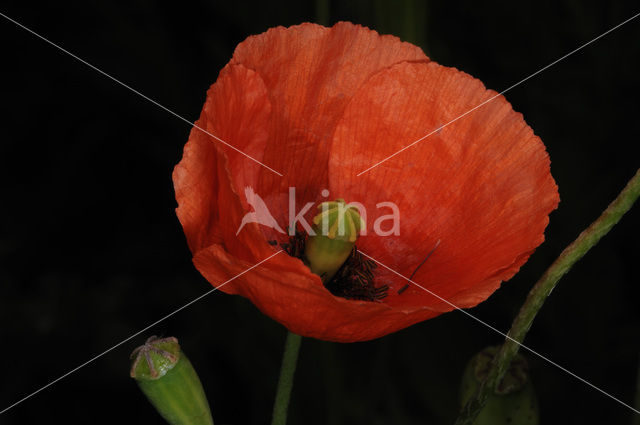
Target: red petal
311, 73
284, 289
480, 185
237, 111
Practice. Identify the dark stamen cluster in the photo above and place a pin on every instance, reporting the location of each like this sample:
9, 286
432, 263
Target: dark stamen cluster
295, 246
353, 281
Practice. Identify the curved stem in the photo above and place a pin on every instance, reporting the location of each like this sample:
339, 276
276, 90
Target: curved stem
285, 383
542, 289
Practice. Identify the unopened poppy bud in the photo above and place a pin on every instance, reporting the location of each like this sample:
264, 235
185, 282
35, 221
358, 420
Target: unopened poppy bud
512, 402
336, 231
167, 378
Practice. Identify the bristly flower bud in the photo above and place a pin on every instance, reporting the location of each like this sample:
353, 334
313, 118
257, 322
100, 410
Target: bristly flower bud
167, 378
513, 401
336, 230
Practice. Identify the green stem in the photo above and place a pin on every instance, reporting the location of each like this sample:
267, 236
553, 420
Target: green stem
285, 383
542, 289
322, 12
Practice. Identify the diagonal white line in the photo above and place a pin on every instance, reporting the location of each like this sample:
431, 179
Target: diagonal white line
502, 333
501, 93
137, 333
138, 93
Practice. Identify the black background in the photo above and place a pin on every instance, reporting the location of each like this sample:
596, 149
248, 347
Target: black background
91, 250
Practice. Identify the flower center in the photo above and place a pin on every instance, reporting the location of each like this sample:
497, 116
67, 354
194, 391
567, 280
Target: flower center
353, 280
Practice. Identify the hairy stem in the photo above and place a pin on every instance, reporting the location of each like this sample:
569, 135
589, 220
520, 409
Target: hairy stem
542, 289
285, 383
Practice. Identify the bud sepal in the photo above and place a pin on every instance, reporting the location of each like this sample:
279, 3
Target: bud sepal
513, 401
167, 378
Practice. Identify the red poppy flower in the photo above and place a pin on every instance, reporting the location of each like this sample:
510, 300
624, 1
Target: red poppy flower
320, 105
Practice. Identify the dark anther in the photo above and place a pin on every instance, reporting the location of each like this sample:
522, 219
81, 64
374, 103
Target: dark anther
354, 280
404, 288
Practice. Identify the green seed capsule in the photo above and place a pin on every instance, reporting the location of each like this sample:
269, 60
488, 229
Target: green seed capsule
513, 401
167, 378
336, 230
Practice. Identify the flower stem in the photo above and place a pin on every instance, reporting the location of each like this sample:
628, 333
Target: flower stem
636, 418
542, 289
322, 12
285, 383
